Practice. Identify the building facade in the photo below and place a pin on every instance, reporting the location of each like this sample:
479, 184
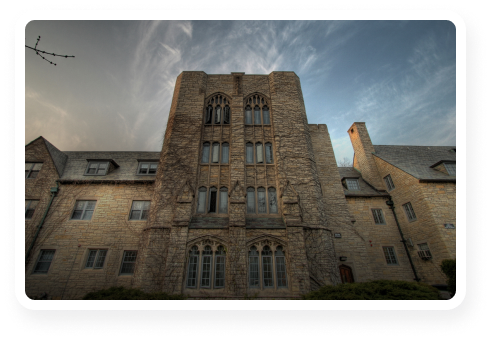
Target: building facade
245, 199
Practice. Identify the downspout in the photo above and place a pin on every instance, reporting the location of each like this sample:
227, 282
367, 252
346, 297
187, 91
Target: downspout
390, 203
53, 191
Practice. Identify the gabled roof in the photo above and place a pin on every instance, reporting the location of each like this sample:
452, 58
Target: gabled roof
417, 160
365, 189
58, 157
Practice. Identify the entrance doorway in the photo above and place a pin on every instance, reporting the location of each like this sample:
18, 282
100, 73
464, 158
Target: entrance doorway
346, 274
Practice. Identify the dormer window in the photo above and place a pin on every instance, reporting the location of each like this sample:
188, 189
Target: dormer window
147, 168
450, 168
352, 184
100, 167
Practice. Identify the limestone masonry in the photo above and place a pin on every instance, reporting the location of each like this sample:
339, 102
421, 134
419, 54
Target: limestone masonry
245, 199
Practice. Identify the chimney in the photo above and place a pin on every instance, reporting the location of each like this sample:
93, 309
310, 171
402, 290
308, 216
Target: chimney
363, 147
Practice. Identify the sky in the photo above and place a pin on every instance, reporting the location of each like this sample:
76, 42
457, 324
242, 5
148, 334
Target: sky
399, 77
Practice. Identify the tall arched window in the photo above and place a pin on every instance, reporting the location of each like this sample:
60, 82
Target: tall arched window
193, 267
212, 201
273, 204
249, 153
201, 200
269, 153
261, 201
205, 158
224, 153
210, 271
217, 110
215, 152
259, 153
251, 202
263, 271
223, 200
261, 115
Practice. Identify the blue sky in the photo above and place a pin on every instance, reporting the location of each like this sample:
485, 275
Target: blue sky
397, 76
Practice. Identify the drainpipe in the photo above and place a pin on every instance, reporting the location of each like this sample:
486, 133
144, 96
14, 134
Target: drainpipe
53, 191
390, 203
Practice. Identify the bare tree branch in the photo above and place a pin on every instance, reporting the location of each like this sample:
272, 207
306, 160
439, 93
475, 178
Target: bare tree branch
48, 53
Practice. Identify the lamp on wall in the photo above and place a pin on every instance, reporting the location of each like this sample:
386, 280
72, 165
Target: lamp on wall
343, 258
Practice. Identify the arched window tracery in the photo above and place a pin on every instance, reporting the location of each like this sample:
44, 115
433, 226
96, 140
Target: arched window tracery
259, 105
267, 266
206, 265
217, 110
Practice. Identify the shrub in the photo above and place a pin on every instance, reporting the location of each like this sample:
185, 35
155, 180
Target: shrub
449, 268
121, 293
376, 290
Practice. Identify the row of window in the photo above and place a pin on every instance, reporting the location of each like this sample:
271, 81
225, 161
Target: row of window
259, 154
96, 168
84, 210
217, 201
95, 260
390, 254
206, 269
219, 113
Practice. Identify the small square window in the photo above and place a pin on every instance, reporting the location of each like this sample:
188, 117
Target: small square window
96, 168
139, 210
147, 168
128, 262
96, 258
451, 169
378, 216
408, 208
44, 261
32, 169
83, 210
390, 255
30, 208
352, 184
389, 183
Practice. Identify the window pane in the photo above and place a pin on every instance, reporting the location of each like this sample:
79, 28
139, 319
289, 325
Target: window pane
33, 174
265, 115
206, 153
192, 271
249, 153
225, 153
390, 255
206, 271
77, 215
267, 271
280, 271
90, 205
253, 271
213, 200
218, 117
215, 152
153, 169
273, 206
28, 166
261, 201
137, 205
251, 204
88, 214
257, 116
201, 200
220, 271
226, 115
91, 259
259, 153
248, 115
223, 200
352, 184
37, 166
143, 168
42, 267
100, 258
135, 214
209, 110
269, 153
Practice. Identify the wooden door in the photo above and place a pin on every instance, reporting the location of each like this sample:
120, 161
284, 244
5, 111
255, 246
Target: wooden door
346, 274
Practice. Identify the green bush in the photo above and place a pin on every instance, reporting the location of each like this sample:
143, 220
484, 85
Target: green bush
121, 293
376, 290
449, 268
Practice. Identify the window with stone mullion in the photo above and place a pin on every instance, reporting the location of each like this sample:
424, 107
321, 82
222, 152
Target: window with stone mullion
206, 267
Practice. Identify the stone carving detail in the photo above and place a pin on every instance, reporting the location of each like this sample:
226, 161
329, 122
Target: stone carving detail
202, 243
186, 193
238, 193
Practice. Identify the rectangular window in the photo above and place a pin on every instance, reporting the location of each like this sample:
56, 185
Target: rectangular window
83, 210
248, 115
253, 271
213, 201
96, 258
390, 255
423, 246
206, 271
97, 168
408, 208
378, 217
215, 153
249, 153
147, 168
139, 210
219, 271
269, 153
128, 263
280, 271
192, 271
224, 153
201, 200
30, 208
251, 202
223, 200
389, 183
259, 153
261, 201
352, 184
265, 115
451, 169
267, 271
32, 169
44, 261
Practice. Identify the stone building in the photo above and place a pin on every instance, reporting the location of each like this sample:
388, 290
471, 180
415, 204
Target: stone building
245, 199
